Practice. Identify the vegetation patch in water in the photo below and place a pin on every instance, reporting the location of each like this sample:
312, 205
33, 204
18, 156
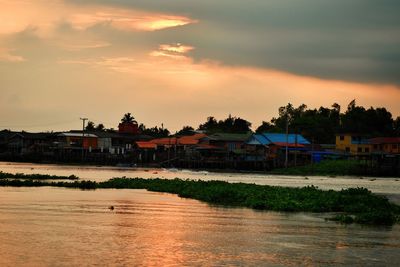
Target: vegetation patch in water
326, 168
353, 205
4, 175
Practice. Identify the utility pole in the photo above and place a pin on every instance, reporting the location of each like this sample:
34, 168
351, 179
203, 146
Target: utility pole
169, 151
312, 152
83, 134
287, 140
295, 152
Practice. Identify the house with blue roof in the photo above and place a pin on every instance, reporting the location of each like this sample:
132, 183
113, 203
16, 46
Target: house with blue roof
281, 139
270, 146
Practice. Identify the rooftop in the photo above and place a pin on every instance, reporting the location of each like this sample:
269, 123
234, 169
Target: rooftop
278, 139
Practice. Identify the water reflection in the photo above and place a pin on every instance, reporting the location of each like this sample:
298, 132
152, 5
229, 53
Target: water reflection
68, 227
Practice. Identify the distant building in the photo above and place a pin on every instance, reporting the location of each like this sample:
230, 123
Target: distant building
270, 146
128, 128
78, 140
4, 137
385, 145
24, 142
229, 141
353, 144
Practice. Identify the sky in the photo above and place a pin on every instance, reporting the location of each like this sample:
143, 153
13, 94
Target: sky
177, 62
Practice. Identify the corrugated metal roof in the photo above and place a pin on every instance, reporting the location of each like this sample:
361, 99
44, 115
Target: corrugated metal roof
356, 140
281, 138
77, 135
190, 139
262, 139
146, 144
385, 140
165, 141
228, 137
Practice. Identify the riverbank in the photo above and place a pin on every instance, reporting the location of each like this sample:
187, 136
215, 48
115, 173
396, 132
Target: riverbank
357, 205
331, 168
328, 168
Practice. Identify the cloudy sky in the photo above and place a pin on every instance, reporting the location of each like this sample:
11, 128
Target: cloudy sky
179, 61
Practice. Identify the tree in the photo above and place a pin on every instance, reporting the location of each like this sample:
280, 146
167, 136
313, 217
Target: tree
396, 126
351, 105
186, 130
240, 126
266, 127
128, 118
155, 132
100, 127
89, 126
210, 125
229, 125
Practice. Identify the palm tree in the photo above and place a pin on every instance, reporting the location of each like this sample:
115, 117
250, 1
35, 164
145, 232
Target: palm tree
128, 118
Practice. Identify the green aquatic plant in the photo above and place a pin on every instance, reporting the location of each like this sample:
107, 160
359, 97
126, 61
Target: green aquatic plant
352, 205
331, 168
5, 175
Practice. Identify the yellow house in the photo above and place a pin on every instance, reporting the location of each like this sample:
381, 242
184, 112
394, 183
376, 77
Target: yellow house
353, 144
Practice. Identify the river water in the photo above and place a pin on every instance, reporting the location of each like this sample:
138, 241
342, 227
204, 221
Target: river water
69, 227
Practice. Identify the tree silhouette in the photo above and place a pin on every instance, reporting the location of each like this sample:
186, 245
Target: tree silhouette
128, 118
90, 126
100, 127
229, 125
186, 130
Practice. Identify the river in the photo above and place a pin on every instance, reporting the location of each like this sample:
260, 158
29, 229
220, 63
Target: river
69, 227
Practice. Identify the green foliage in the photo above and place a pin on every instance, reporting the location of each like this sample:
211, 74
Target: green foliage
325, 167
155, 132
4, 175
100, 127
322, 124
128, 118
229, 125
353, 205
376, 122
267, 127
90, 126
186, 130
396, 126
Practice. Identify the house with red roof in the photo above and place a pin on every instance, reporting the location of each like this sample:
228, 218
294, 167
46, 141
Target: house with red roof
385, 145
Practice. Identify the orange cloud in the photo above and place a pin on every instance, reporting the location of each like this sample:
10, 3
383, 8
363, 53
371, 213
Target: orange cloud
126, 20
172, 50
44, 16
205, 88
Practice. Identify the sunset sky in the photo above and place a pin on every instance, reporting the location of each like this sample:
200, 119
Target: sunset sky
179, 61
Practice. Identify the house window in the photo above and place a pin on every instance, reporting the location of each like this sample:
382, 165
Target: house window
341, 138
367, 150
375, 146
347, 149
359, 150
394, 146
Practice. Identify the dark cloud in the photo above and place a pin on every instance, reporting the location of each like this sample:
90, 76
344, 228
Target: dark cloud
354, 40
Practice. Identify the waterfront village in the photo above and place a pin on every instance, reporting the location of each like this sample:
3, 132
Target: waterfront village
195, 149
366, 139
